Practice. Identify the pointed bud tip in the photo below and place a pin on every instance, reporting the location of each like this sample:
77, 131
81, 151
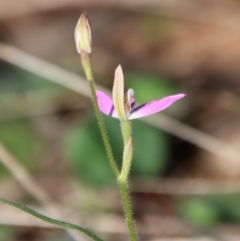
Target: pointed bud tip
82, 34
119, 72
119, 68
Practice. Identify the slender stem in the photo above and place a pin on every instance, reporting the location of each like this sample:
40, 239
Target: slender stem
127, 209
85, 58
126, 131
127, 161
122, 180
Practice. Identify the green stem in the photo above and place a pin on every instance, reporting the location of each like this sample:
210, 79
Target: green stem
127, 161
85, 58
126, 131
127, 209
122, 180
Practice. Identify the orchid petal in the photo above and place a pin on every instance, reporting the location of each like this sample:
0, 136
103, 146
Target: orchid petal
118, 93
105, 104
154, 106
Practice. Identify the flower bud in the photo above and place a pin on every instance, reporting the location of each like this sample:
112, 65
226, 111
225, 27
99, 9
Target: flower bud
83, 36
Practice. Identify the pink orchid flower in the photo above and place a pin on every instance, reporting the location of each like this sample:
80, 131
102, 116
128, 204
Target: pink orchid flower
122, 104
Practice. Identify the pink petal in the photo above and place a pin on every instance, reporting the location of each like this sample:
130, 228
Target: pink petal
105, 104
154, 106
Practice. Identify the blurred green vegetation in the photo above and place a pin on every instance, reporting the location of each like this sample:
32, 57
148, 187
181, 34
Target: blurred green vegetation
85, 150
13, 79
6, 233
20, 140
17, 133
207, 212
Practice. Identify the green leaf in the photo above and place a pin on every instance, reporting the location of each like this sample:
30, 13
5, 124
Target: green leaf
51, 220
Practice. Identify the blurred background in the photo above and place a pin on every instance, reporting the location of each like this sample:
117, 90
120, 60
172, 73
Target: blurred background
186, 167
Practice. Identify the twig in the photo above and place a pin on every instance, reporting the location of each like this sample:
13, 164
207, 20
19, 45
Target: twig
78, 84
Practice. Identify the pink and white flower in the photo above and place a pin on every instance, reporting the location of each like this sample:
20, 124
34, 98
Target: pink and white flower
121, 105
